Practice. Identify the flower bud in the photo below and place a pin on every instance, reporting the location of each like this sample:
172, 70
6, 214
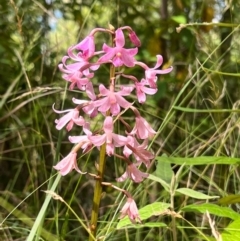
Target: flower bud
134, 39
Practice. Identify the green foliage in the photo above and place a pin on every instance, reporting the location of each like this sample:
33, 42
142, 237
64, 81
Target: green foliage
201, 160
196, 114
212, 209
232, 232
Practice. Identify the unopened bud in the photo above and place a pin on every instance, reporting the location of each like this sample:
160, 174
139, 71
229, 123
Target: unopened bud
134, 39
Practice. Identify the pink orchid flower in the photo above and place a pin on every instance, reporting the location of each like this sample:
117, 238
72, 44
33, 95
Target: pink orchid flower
73, 72
141, 90
113, 100
89, 107
138, 150
72, 117
67, 164
142, 128
112, 140
87, 46
84, 140
66, 119
133, 173
119, 55
130, 209
151, 73
73, 75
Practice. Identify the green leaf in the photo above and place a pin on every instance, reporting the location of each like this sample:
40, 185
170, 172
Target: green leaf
202, 160
212, 209
144, 225
161, 181
232, 232
179, 19
164, 171
154, 224
230, 199
146, 212
193, 110
192, 193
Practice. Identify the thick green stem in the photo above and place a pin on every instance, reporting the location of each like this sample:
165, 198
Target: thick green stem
101, 169
97, 192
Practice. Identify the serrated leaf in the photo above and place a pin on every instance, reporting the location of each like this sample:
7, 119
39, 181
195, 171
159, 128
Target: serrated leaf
232, 232
202, 160
179, 19
164, 171
212, 209
153, 209
230, 199
195, 194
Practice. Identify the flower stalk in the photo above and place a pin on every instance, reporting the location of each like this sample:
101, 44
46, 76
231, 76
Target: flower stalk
97, 192
101, 170
111, 102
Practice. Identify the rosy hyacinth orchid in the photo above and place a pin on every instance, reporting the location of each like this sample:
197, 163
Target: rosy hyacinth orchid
87, 46
141, 90
133, 173
111, 139
130, 209
66, 119
138, 150
118, 55
86, 144
67, 164
112, 100
142, 129
150, 73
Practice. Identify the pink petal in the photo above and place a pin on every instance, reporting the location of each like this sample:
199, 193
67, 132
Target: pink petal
87, 46
117, 61
63, 121
159, 61
149, 91
109, 53
122, 102
104, 105
98, 140
125, 90
110, 149
114, 109
90, 91
130, 209
127, 56
79, 102
164, 71
141, 97
67, 164
108, 124
120, 40
77, 139
119, 140
122, 178
103, 90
